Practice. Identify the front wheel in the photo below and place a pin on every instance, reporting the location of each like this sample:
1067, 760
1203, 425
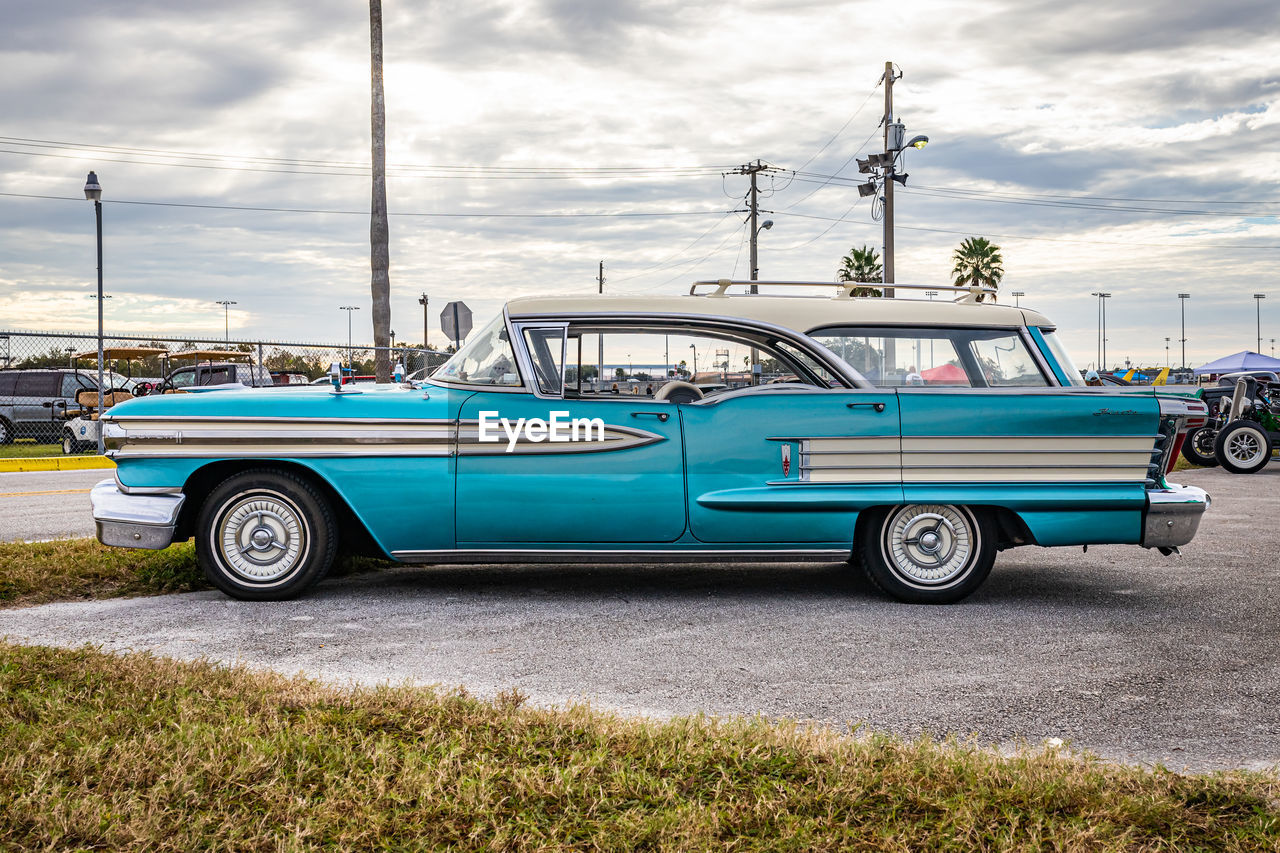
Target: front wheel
1243, 447
69, 444
1197, 447
265, 535
928, 553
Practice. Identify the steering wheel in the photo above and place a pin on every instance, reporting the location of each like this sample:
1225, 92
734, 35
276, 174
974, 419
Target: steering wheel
678, 391
142, 389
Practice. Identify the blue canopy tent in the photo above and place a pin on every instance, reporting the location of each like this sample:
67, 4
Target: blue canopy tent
1245, 360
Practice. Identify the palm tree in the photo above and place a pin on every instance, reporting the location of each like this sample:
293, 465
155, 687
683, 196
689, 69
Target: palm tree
379, 252
861, 265
978, 263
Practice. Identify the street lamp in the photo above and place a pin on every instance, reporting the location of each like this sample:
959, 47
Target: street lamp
93, 193
226, 318
694, 347
1017, 298
350, 360
1182, 300
1166, 353
883, 168
1257, 300
1102, 328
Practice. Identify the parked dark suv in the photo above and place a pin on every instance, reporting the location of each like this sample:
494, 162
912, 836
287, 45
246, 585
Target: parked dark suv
34, 403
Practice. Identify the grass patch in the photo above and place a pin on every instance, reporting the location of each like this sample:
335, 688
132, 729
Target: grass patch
77, 569
113, 752
28, 449
74, 569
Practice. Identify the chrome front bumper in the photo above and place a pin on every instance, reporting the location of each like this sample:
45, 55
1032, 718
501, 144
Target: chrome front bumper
1173, 515
134, 521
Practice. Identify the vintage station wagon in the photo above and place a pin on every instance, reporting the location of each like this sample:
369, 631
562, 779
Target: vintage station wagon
915, 437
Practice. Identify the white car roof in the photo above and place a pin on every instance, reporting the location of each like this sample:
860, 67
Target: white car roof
800, 313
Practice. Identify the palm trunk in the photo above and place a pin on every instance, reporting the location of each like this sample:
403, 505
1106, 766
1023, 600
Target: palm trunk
380, 255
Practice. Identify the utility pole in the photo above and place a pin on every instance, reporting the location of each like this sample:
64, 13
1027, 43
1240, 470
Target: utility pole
889, 154
422, 300
753, 207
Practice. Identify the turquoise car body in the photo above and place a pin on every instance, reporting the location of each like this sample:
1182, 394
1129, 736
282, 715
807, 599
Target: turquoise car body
762, 472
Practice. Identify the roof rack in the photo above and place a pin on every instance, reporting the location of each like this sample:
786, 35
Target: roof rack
968, 292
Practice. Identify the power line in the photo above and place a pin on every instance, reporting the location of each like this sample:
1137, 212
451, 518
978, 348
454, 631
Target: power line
1091, 242
450, 215
280, 165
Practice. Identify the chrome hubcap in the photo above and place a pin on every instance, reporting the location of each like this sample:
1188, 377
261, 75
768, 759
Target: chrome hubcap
929, 545
262, 536
1244, 448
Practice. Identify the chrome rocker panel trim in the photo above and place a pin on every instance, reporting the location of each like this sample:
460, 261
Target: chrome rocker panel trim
589, 555
134, 520
1173, 515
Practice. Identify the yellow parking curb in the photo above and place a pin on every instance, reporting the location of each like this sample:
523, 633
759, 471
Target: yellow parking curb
55, 463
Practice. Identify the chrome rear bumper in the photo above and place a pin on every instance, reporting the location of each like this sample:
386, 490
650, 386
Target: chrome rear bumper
134, 521
1173, 515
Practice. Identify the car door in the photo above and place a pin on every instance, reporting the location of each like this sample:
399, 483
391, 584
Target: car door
777, 465
535, 469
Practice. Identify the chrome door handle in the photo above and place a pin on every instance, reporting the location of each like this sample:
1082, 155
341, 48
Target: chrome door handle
879, 407
662, 416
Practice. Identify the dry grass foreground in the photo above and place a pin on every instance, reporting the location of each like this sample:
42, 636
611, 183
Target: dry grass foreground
132, 752
78, 569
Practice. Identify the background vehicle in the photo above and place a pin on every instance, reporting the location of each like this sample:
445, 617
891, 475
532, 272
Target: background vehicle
215, 367
35, 403
1200, 447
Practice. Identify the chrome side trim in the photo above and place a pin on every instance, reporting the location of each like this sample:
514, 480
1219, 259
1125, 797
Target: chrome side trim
132, 520
1173, 515
587, 555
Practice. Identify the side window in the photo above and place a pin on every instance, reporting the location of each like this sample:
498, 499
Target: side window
216, 376
546, 349
70, 385
638, 362
7, 382
897, 357
184, 378
1005, 361
38, 385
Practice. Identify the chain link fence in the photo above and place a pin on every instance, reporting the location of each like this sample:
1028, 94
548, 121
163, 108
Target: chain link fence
42, 374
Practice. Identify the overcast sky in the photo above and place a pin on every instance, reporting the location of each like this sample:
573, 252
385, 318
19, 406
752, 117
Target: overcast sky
1059, 130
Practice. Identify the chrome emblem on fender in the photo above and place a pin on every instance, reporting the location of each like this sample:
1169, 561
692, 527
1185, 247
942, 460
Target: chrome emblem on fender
786, 460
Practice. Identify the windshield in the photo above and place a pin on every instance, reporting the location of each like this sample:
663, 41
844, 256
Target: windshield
486, 360
1062, 356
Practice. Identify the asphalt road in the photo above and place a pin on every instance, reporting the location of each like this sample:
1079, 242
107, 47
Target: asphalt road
1135, 656
47, 504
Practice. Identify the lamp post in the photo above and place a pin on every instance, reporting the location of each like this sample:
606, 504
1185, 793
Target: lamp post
1166, 352
226, 319
1182, 300
1017, 298
694, 347
422, 300
350, 359
93, 193
1102, 328
1257, 301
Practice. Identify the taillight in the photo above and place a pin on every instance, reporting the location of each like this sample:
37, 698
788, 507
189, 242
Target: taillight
1177, 449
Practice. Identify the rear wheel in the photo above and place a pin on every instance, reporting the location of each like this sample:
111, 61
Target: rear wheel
1243, 447
265, 535
928, 553
6, 432
1197, 447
